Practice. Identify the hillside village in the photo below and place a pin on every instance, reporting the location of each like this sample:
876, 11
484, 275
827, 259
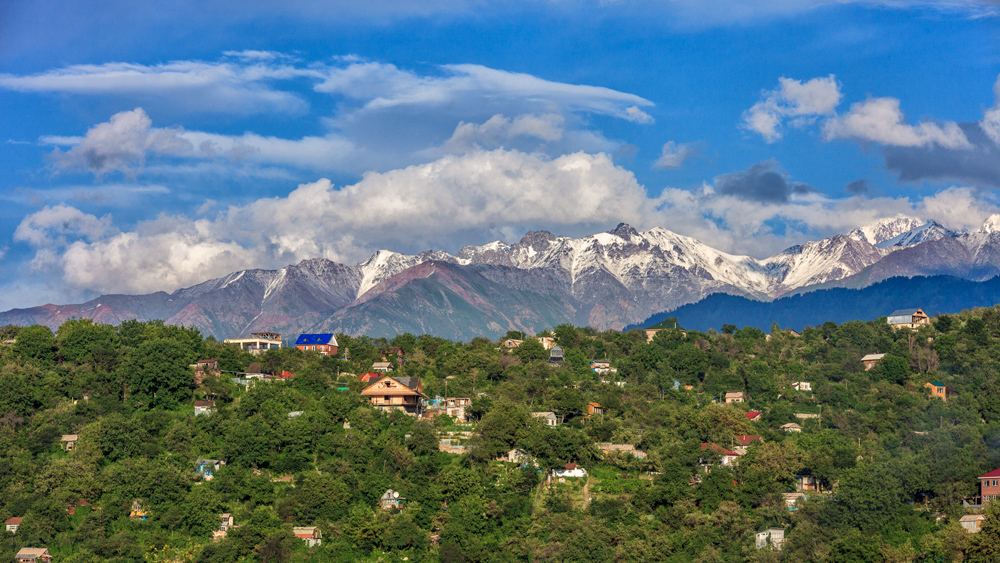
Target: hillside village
867, 441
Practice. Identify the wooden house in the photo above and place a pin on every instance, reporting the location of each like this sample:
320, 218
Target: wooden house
937, 390
908, 318
396, 393
972, 522
68, 441
594, 408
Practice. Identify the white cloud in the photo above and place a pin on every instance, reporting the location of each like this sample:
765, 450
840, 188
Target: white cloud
991, 119
792, 99
674, 154
384, 86
439, 204
227, 87
109, 195
880, 120
499, 130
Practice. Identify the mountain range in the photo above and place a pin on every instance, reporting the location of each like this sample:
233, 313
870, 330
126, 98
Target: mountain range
606, 280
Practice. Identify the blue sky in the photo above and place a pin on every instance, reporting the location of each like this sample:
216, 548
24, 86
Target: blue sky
149, 146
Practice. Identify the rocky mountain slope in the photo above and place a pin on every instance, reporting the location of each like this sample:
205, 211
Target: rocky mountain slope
606, 280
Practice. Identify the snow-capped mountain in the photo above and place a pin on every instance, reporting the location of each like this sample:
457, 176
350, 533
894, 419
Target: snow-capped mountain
606, 280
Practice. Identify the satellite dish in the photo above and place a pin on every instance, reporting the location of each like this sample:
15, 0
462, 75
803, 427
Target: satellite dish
395, 495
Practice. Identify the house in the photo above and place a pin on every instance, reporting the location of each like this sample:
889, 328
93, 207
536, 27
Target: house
226, 521
908, 318
325, 344
390, 499
550, 418
571, 470
807, 483
393, 351
773, 536
68, 441
989, 486
594, 408
871, 359
744, 441
71, 510
207, 467
754, 416
204, 407
138, 511
547, 342
512, 343
609, 448
382, 367
455, 406
802, 386
207, 365
791, 427
735, 397
556, 355
258, 343
792, 498
12, 524
937, 390
602, 366
396, 393
665, 324
255, 369
728, 457
285, 374
367, 378
33, 555
516, 455
972, 522
309, 534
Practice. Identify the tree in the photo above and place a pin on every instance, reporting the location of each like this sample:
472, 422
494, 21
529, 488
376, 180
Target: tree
36, 343
159, 373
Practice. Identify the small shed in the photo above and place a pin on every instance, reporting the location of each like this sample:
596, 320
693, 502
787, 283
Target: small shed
972, 522
68, 441
937, 389
382, 367
871, 359
791, 427
594, 408
204, 407
735, 397
550, 418
556, 355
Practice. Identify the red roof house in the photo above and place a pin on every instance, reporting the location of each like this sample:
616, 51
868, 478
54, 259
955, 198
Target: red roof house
754, 415
729, 457
989, 484
746, 439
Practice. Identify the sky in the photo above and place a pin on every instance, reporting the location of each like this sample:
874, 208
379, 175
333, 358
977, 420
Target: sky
151, 146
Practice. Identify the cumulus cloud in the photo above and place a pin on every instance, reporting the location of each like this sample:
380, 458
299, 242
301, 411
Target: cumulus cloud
440, 204
764, 182
499, 130
674, 154
991, 120
793, 100
238, 87
880, 120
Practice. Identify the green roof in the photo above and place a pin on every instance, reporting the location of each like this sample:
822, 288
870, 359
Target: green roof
666, 323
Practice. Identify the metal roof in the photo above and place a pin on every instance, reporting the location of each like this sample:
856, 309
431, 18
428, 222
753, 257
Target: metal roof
903, 312
316, 339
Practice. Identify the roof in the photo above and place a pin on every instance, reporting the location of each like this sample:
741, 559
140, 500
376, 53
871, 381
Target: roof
569, 466
69, 438
411, 386
872, 357
991, 474
936, 383
753, 414
972, 517
314, 339
665, 323
594, 405
304, 531
734, 393
286, 374
791, 425
32, 551
381, 364
545, 414
746, 439
719, 449
16, 520
204, 403
208, 361
903, 312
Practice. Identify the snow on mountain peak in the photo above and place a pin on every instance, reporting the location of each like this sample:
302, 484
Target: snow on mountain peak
884, 229
992, 224
932, 230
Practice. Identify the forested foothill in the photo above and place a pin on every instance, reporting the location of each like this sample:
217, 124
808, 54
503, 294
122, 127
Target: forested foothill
891, 464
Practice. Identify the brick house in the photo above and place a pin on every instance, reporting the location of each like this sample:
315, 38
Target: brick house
989, 486
325, 344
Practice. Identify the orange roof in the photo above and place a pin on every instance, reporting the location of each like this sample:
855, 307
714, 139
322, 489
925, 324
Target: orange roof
15, 521
746, 439
594, 405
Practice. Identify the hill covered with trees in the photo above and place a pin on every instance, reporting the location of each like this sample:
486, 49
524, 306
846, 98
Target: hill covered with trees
892, 463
